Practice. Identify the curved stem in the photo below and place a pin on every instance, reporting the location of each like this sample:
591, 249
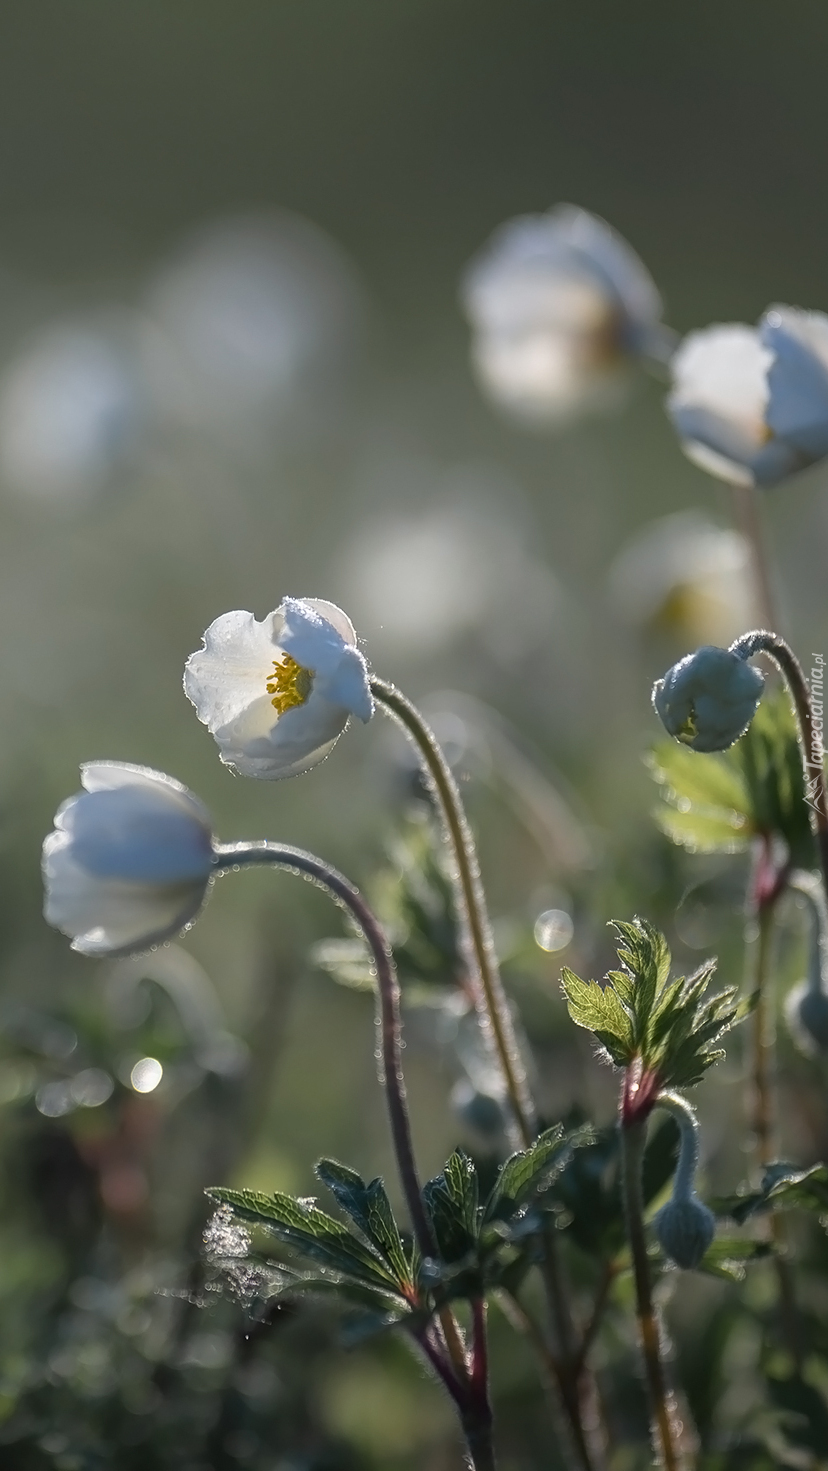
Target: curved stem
342, 891
492, 1003
761, 641
685, 1116
234, 855
661, 1403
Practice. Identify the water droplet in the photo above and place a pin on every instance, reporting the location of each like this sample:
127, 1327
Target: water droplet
553, 929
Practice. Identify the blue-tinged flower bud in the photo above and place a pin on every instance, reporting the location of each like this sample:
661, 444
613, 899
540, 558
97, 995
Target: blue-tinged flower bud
685, 1229
806, 1012
709, 698
806, 1006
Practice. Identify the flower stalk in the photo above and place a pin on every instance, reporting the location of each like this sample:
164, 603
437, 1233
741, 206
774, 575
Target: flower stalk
761, 641
492, 1005
662, 1406
443, 1347
576, 1389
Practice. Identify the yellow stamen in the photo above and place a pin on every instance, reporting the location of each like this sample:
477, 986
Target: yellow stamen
290, 684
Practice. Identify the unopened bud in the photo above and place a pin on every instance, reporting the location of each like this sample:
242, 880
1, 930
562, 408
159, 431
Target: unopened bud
806, 1012
684, 1230
709, 698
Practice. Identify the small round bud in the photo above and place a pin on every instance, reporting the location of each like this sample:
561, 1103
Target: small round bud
709, 698
684, 1230
806, 1012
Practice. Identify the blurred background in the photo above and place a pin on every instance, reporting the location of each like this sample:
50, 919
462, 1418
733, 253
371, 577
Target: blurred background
233, 366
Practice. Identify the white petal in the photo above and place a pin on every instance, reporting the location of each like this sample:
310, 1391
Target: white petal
309, 637
798, 378
559, 268
133, 835
541, 377
335, 616
107, 917
300, 738
347, 686
232, 669
719, 397
99, 776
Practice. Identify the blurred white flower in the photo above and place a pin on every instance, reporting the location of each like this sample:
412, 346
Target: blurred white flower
684, 576
557, 304
750, 404
421, 581
278, 694
70, 410
129, 861
255, 321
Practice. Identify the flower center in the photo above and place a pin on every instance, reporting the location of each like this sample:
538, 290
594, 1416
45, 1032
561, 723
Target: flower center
289, 685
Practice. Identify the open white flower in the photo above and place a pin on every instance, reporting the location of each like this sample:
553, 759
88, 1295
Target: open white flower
750, 404
278, 694
129, 861
558, 302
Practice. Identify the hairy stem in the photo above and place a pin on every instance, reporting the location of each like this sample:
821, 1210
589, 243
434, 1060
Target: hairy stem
491, 999
343, 892
664, 1428
576, 1385
760, 641
233, 855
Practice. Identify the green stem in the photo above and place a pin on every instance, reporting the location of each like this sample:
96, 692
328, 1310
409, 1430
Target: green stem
344, 893
233, 855
490, 996
760, 641
575, 1383
664, 1428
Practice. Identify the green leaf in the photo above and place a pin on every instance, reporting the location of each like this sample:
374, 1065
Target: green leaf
452, 1202
527, 1173
717, 803
641, 1014
600, 1010
707, 781
783, 1185
704, 832
303, 1226
727, 1256
370, 1210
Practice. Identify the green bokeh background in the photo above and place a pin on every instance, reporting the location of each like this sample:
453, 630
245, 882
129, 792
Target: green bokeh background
406, 130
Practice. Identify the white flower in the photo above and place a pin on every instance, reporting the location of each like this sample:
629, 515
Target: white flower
129, 861
750, 404
557, 303
685, 577
277, 695
71, 409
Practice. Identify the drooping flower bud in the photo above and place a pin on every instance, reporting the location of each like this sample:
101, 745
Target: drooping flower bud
684, 1227
806, 1007
684, 1230
708, 699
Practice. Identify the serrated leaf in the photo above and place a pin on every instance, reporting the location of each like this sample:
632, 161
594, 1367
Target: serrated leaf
527, 1173
370, 1210
641, 1014
599, 1010
451, 1199
312, 1233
